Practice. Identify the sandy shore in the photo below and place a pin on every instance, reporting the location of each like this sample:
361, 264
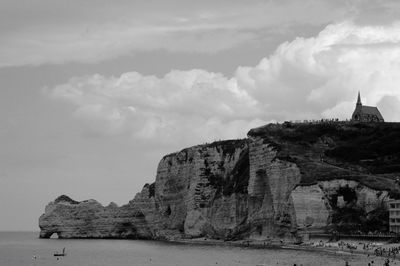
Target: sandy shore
314, 245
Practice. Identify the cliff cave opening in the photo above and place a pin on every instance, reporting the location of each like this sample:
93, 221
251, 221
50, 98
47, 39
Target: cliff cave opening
350, 218
54, 235
259, 229
168, 211
347, 194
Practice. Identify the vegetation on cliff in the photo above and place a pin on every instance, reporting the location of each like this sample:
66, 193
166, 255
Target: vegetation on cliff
152, 189
364, 152
227, 147
236, 181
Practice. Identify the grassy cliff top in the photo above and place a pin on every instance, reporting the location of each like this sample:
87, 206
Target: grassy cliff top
364, 152
226, 146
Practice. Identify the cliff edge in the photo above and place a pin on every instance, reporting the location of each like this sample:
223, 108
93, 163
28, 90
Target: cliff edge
279, 181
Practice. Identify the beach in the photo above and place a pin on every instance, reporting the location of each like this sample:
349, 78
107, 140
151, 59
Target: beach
25, 248
368, 250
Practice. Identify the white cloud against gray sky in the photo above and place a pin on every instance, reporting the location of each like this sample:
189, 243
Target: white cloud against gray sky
93, 93
307, 78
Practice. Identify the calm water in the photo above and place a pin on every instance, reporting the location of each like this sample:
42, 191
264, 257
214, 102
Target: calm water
18, 249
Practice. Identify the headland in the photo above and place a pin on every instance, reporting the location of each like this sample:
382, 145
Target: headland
281, 184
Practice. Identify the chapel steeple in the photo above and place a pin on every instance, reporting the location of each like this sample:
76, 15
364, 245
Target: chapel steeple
363, 113
359, 99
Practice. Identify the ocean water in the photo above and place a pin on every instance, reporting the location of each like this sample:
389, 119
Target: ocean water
19, 249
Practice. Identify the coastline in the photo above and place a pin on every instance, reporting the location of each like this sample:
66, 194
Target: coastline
268, 244
309, 246
158, 252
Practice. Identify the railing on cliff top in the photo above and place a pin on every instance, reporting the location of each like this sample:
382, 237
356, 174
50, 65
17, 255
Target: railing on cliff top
382, 235
318, 121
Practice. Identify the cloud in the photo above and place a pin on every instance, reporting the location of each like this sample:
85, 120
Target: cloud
181, 106
307, 78
61, 32
318, 76
390, 106
108, 42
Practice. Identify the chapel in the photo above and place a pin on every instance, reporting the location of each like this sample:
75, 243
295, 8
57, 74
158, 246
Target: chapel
364, 113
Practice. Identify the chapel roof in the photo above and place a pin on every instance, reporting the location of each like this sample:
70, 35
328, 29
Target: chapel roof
371, 110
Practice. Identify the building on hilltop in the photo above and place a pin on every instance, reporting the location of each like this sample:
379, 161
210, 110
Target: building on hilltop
364, 113
394, 216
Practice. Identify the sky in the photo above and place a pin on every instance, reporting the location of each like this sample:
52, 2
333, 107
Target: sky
93, 93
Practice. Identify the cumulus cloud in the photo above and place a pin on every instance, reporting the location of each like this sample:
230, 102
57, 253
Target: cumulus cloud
320, 76
307, 78
182, 105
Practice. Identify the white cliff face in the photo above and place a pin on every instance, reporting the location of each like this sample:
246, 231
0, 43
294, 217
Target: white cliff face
370, 199
232, 190
309, 202
315, 201
187, 184
227, 213
89, 219
270, 185
187, 200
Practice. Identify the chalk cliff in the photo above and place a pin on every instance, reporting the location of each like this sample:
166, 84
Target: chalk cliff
89, 219
281, 179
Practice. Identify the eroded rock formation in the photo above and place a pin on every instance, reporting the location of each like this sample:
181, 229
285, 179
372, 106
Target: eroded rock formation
89, 219
279, 180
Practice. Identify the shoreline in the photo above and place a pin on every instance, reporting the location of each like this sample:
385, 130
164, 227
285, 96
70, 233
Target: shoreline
260, 244
309, 246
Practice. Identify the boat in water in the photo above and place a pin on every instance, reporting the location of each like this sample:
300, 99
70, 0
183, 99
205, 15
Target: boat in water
60, 254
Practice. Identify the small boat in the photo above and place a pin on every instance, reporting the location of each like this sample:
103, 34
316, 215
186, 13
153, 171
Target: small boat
60, 254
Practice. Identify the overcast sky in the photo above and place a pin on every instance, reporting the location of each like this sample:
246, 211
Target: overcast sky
93, 93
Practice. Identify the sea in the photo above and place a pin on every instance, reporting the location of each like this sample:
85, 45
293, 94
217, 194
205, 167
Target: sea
26, 248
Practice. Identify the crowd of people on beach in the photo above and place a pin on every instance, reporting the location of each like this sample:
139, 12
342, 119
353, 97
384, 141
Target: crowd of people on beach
349, 246
341, 245
389, 252
370, 248
372, 263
